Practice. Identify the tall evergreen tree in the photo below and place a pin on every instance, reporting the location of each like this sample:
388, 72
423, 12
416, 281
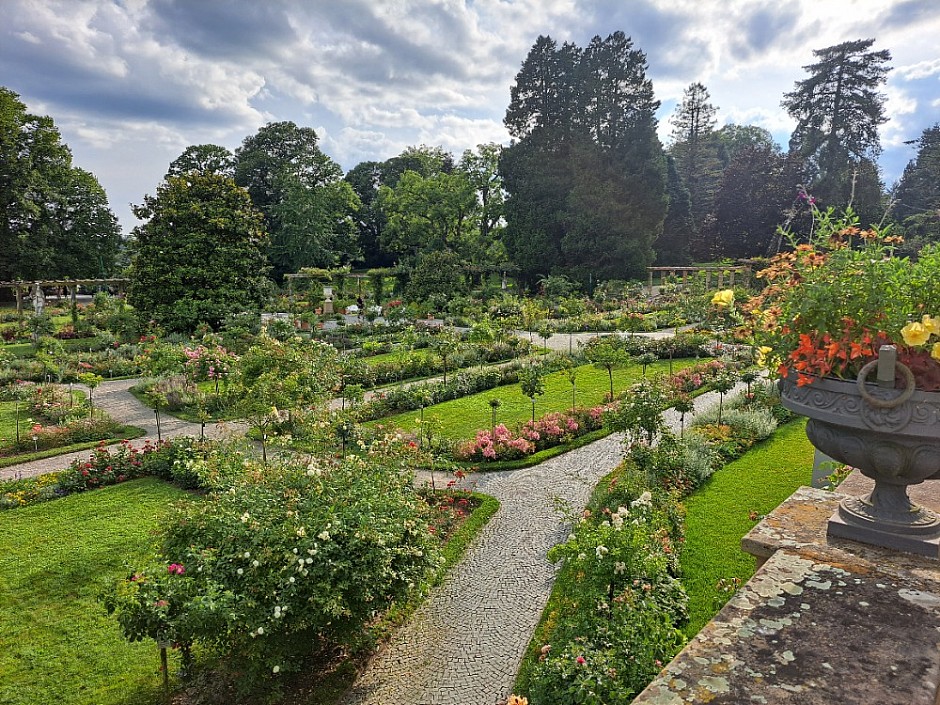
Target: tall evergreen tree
917, 195
838, 110
674, 245
586, 178
545, 94
695, 149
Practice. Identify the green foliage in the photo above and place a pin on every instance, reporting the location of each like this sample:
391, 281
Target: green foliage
756, 190
296, 557
917, 196
640, 412
586, 177
55, 218
199, 257
607, 355
437, 275
307, 208
532, 383
428, 213
613, 614
839, 109
203, 159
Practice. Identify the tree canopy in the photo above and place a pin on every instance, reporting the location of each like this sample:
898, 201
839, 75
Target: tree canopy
838, 109
54, 217
199, 257
309, 210
586, 176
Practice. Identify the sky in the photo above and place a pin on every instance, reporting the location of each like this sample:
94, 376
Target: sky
132, 83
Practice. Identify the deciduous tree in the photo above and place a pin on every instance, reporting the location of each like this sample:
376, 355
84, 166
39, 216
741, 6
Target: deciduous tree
294, 184
54, 218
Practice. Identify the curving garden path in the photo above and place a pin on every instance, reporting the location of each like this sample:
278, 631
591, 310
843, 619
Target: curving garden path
114, 398
465, 643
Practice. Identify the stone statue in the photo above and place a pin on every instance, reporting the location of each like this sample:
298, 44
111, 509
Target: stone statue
39, 299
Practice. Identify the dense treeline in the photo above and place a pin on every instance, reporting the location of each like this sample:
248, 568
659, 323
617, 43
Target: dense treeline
585, 188
54, 217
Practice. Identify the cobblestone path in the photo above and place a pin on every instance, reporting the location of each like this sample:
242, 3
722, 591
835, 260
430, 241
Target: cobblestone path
465, 643
120, 404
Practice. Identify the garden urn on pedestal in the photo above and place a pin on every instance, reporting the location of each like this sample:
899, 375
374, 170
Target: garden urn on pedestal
891, 435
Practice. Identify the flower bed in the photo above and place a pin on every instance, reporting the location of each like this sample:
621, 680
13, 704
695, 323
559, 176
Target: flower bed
552, 429
188, 462
613, 619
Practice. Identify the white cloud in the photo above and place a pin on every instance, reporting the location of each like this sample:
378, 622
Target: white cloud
131, 85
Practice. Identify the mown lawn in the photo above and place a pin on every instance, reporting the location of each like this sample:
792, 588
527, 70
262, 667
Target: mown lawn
718, 515
460, 418
59, 645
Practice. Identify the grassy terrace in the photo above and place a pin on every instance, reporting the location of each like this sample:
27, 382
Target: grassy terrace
460, 418
56, 558
718, 515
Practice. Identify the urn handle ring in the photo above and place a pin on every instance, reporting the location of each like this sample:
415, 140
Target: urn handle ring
885, 403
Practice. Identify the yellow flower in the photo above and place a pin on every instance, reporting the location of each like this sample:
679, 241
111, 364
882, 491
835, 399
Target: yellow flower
723, 298
935, 353
915, 334
932, 324
517, 700
762, 355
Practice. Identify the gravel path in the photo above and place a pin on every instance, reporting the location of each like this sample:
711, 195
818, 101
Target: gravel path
465, 643
114, 398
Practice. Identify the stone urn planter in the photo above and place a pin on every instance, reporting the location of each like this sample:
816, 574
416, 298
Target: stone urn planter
893, 437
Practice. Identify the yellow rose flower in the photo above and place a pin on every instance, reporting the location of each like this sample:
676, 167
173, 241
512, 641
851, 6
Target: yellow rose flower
915, 334
762, 355
932, 324
935, 353
723, 298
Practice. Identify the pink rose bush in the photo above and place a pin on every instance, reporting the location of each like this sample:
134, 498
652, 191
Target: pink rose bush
496, 444
555, 428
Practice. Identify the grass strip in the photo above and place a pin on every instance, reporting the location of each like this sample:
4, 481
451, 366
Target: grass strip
459, 419
720, 512
55, 558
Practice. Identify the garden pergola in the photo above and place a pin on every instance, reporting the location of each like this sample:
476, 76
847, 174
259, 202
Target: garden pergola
709, 271
71, 285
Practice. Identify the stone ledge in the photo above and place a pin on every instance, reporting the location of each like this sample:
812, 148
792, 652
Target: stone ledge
823, 620
799, 524
814, 633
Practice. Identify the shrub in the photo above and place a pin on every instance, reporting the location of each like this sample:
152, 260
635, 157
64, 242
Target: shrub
498, 444
624, 599
103, 468
290, 559
753, 424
